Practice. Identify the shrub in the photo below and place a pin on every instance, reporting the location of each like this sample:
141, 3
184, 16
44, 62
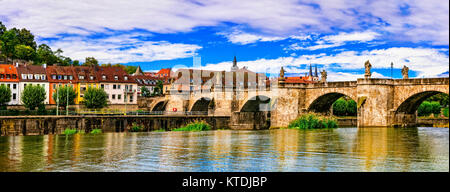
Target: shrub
196, 126
96, 131
313, 121
136, 128
95, 98
445, 112
351, 108
425, 109
340, 107
69, 131
435, 108
5, 95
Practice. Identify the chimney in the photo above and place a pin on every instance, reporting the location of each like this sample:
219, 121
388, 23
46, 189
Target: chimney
17, 64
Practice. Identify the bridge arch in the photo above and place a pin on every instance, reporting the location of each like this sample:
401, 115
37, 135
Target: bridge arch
256, 104
160, 105
201, 104
323, 103
412, 103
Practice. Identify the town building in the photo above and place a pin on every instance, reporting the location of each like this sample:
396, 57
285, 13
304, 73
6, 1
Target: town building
120, 87
87, 78
33, 75
10, 78
61, 76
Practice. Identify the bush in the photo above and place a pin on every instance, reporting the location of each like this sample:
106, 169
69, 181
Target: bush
5, 95
340, 107
445, 112
96, 131
313, 121
351, 108
33, 96
425, 109
196, 126
136, 128
95, 98
68, 131
435, 108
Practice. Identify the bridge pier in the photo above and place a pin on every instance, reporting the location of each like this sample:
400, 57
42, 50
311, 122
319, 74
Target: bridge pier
375, 102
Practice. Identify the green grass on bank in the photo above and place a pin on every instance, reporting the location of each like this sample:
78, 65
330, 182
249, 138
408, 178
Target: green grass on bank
196, 126
313, 121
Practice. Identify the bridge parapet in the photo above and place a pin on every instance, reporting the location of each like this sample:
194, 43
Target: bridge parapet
422, 81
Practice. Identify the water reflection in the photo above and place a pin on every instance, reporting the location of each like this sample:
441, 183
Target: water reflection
346, 149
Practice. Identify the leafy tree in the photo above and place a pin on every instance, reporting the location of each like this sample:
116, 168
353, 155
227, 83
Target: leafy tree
425, 109
130, 69
157, 90
442, 98
2, 28
351, 108
5, 95
90, 61
145, 92
62, 93
76, 63
25, 37
33, 96
24, 52
340, 107
44, 54
435, 108
10, 41
95, 98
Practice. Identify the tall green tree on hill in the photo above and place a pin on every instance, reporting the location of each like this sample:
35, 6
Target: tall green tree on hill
45, 55
90, 61
9, 42
5, 96
33, 96
24, 52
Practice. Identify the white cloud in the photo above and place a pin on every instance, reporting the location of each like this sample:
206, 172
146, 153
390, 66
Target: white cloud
427, 21
427, 62
111, 49
240, 37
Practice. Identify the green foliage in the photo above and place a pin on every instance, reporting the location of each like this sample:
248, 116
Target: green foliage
5, 95
313, 121
96, 131
136, 128
44, 54
76, 63
196, 126
442, 98
145, 92
90, 61
425, 109
445, 112
10, 40
69, 131
95, 98
435, 108
24, 52
62, 93
33, 96
157, 90
344, 107
130, 69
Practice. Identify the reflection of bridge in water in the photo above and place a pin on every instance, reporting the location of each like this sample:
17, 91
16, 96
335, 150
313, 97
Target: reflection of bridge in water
381, 102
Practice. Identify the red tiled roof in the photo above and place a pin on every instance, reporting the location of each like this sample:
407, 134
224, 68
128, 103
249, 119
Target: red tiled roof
111, 72
297, 80
31, 69
63, 71
8, 73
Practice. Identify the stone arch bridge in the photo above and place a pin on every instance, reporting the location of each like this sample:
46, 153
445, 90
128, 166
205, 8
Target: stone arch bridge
381, 102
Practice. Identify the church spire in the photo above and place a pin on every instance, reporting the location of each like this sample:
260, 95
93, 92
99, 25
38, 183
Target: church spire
315, 73
310, 70
234, 67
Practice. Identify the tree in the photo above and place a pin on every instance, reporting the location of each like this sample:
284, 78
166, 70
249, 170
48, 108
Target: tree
442, 98
95, 98
24, 52
10, 41
145, 92
90, 61
435, 108
76, 63
25, 37
62, 93
130, 69
425, 109
33, 96
351, 107
2, 28
44, 54
5, 95
340, 107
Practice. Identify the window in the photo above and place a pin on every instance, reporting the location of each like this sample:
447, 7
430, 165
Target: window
131, 87
104, 77
125, 78
30, 76
70, 77
116, 77
9, 85
131, 98
8, 76
54, 86
53, 76
14, 86
114, 86
113, 96
81, 77
14, 96
24, 85
91, 77
126, 87
65, 77
43, 77
14, 76
59, 77
102, 86
36, 76
119, 96
24, 76
118, 86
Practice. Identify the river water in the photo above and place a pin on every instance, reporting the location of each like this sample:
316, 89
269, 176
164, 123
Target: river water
343, 149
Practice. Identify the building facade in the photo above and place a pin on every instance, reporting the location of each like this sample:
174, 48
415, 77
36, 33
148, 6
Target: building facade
120, 87
10, 78
33, 75
86, 78
61, 76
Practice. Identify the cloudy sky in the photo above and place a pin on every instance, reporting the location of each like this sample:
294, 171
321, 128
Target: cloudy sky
336, 35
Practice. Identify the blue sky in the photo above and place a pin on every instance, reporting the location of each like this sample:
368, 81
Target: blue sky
338, 36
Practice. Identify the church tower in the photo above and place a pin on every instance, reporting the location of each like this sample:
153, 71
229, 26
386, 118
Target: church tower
234, 67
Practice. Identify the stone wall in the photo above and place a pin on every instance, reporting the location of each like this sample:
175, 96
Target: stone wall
40, 125
250, 120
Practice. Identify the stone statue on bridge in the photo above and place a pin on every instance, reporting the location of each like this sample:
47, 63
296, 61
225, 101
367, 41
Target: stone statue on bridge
282, 73
367, 67
405, 72
324, 76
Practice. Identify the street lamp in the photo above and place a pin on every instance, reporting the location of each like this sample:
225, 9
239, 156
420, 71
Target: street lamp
67, 104
57, 99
